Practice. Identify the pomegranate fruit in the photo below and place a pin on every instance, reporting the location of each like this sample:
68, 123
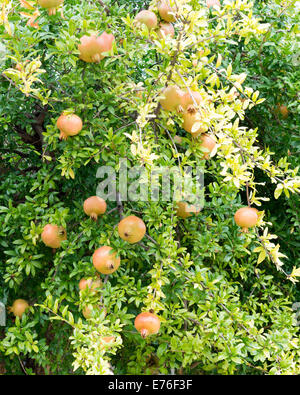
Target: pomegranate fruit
105, 260
92, 47
50, 5
190, 117
53, 235
283, 110
92, 285
87, 311
166, 11
184, 210
108, 339
211, 3
187, 100
246, 217
94, 206
172, 98
208, 143
147, 18
18, 308
166, 29
132, 229
147, 324
68, 125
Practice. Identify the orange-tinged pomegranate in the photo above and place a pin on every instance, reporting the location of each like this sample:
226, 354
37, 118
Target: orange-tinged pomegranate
91, 284
105, 260
50, 5
147, 324
246, 217
92, 47
192, 117
166, 11
185, 210
211, 3
132, 229
208, 143
107, 339
53, 235
68, 125
94, 206
171, 98
166, 29
18, 308
187, 100
148, 18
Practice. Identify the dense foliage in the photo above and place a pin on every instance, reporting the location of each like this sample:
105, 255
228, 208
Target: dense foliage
225, 298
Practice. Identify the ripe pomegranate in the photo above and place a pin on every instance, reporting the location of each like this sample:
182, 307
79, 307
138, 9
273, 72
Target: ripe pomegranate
211, 3
18, 308
147, 324
208, 143
68, 125
184, 210
92, 285
50, 5
190, 117
87, 311
92, 47
165, 11
187, 100
105, 260
246, 217
107, 339
148, 18
172, 98
166, 29
132, 229
53, 235
94, 206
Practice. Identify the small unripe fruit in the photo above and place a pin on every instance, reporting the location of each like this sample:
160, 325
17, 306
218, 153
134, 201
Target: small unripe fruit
94, 206
147, 324
53, 235
105, 260
18, 308
132, 229
165, 11
171, 98
208, 143
69, 125
148, 18
283, 111
92, 47
246, 217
